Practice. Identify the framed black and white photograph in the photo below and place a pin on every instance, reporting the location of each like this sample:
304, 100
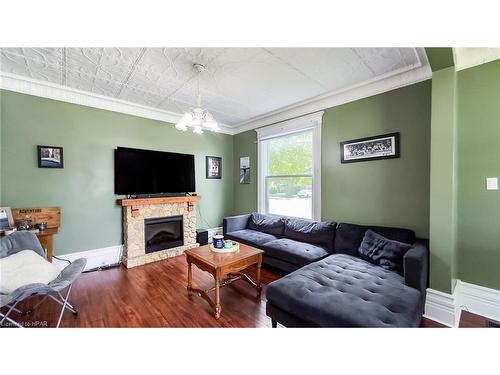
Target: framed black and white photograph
50, 157
214, 167
385, 146
245, 170
6, 219
244, 176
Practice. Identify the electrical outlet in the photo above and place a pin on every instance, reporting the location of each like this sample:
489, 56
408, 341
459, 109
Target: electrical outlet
491, 183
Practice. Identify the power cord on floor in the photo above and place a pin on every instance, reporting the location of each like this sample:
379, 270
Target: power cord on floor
101, 268
62, 259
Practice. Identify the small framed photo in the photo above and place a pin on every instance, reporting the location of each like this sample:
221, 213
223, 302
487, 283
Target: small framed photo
385, 146
244, 175
245, 170
50, 157
213, 167
6, 219
245, 162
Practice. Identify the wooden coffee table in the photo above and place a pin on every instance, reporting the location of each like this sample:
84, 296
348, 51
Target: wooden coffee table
225, 268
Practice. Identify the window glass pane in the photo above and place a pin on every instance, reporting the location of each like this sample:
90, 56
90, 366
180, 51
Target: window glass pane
291, 155
291, 196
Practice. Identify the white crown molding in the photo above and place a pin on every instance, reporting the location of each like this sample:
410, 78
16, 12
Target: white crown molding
380, 84
446, 308
394, 80
54, 91
465, 58
290, 126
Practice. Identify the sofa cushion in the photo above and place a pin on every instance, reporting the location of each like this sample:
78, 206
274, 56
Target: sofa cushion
250, 237
320, 233
345, 291
383, 252
348, 237
295, 252
266, 223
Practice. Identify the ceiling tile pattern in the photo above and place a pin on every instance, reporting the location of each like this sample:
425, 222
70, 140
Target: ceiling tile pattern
238, 85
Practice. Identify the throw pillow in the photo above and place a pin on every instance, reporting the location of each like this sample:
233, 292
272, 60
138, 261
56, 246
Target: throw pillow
23, 268
320, 233
267, 223
383, 252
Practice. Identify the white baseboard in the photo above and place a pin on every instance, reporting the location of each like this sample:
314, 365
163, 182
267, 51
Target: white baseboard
478, 299
440, 307
95, 258
107, 255
446, 308
212, 232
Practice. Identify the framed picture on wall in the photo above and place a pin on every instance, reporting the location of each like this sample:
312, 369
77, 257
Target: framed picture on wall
245, 170
50, 157
385, 146
213, 167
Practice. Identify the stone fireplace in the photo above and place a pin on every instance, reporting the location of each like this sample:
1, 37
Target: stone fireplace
157, 228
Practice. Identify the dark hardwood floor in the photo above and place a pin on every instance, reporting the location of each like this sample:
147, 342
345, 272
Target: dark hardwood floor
470, 320
155, 295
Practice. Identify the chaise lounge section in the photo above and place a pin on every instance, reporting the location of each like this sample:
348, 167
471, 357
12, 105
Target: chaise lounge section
332, 283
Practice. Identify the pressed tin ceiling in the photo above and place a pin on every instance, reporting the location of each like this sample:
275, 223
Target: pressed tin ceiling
239, 84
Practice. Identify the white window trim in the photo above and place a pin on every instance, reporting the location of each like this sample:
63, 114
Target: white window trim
309, 122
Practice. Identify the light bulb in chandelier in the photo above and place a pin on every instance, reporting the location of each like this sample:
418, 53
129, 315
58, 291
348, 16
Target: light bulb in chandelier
198, 129
198, 119
184, 122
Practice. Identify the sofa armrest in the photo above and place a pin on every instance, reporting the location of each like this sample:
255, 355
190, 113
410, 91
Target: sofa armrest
234, 223
416, 265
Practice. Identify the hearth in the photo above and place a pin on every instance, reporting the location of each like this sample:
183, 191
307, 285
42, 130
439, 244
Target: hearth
163, 233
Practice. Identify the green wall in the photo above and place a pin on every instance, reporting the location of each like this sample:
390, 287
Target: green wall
393, 192
1, 118
443, 166
84, 188
245, 195
443, 191
478, 228
440, 57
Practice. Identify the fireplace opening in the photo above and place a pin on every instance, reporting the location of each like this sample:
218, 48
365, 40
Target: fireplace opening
163, 233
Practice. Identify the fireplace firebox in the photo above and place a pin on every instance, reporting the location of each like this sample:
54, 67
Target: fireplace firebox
163, 233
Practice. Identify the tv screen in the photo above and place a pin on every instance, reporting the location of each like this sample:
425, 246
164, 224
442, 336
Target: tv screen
153, 172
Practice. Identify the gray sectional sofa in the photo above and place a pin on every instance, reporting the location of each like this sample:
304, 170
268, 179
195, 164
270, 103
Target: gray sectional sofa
339, 274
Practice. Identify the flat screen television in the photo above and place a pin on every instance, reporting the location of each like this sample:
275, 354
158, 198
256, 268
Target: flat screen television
145, 172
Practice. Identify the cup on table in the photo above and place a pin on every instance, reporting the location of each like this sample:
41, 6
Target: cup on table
218, 241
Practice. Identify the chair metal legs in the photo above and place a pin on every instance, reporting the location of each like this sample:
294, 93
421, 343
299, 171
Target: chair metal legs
63, 301
6, 316
64, 304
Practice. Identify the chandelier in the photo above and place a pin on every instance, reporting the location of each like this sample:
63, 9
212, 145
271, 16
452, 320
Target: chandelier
198, 119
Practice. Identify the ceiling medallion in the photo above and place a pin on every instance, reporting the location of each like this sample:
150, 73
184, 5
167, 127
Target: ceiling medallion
198, 119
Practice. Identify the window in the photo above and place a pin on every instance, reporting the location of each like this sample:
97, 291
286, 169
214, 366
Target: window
289, 168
